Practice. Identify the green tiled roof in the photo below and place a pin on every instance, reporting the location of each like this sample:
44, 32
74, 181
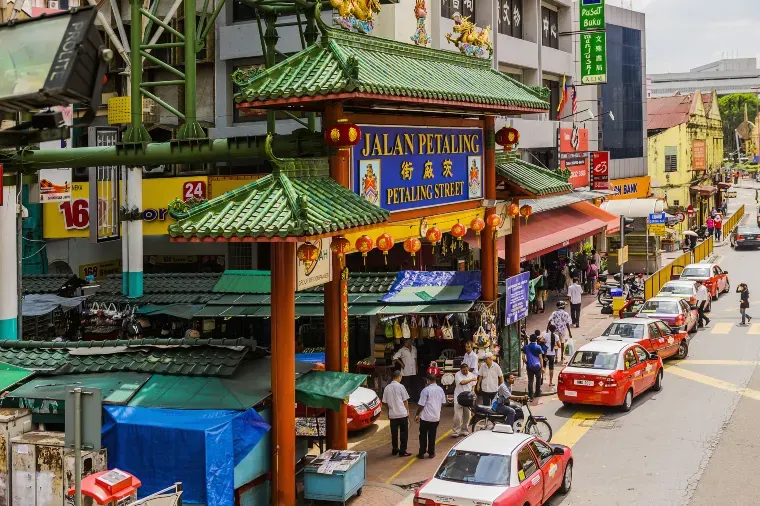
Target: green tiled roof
346, 62
256, 282
188, 357
44, 283
161, 289
298, 199
536, 180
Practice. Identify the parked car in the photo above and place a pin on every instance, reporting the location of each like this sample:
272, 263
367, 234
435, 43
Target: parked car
652, 334
609, 373
363, 409
714, 278
745, 236
682, 289
499, 468
676, 312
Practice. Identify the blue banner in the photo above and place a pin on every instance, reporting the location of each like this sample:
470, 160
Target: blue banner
400, 168
518, 298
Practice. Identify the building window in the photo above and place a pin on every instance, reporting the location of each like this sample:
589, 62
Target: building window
549, 28
553, 96
510, 17
671, 159
240, 256
466, 8
242, 12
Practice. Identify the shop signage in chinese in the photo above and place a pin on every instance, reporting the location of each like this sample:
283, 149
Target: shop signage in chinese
698, 154
401, 168
343, 319
55, 185
600, 172
592, 15
572, 144
518, 297
311, 274
593, 58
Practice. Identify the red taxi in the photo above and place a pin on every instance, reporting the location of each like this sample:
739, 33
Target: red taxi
609, 373
676, 312
499, 468
652, 334
714, 278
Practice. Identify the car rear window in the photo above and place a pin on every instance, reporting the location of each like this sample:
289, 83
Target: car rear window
629, 330
748, 231
696, 272
475, 468
660, 306
594, 360
677, 289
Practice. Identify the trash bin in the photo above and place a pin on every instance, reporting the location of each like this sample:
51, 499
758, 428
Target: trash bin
618, 301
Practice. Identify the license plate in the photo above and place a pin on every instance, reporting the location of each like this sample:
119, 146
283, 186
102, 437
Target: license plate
750, 237
571, 393
585, 383
377, 411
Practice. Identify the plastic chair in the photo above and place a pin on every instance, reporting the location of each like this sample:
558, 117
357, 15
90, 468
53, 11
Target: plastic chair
448, 354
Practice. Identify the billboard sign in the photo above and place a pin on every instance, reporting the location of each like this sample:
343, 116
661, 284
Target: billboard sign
572, 144
698, 154
600, 172
592, 15
55, 185
594, 58
518, 298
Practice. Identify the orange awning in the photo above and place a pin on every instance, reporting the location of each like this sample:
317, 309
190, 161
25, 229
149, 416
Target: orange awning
612, 220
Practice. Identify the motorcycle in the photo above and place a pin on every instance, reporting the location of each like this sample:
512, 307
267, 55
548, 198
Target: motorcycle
633, 287
484, 418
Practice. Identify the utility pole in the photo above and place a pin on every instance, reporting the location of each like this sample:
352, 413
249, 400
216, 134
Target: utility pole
620, 251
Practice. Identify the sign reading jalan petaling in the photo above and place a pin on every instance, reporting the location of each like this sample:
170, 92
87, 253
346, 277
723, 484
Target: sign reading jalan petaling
400, 168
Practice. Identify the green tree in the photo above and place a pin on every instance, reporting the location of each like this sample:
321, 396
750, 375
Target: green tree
732, 114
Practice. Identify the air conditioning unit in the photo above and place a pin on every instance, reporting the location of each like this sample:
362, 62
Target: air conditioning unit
52, 4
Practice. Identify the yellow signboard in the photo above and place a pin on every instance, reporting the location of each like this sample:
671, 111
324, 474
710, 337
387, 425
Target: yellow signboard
100, 270
623, 255
68, 220
630, 188
657, 229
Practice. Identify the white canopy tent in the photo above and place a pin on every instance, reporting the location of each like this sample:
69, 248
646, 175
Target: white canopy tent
634, 208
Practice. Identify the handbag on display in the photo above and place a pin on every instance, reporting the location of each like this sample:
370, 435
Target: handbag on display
431, 328
389, 329
406, 332
446, 331
480, 338
438, 331
415, 330
397, 329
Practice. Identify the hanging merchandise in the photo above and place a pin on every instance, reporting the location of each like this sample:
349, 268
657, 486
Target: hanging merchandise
340, 246
438, 329
447, 332
433, 369
525, 212
385, 244
389, 329
481, 338
415, 330
406, 332
431, 328
397, 333
364, 245
412, 246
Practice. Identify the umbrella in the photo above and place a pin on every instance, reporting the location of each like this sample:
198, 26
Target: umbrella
690, 232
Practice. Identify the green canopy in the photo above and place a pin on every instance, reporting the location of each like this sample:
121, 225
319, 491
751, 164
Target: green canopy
10, 375
116, 387
184, 311
327, 389
458, 307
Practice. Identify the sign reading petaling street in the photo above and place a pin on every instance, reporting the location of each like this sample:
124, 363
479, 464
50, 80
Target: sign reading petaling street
594, 58
400, 168
592, 15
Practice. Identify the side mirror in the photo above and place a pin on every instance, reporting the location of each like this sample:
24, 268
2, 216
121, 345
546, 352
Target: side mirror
558, 450
725, 272
653, 356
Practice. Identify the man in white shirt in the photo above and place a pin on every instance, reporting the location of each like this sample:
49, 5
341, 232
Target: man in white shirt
428, 415
465, 382
489, 379
703, 297
396, 398
470, 358
406, 359
574, 291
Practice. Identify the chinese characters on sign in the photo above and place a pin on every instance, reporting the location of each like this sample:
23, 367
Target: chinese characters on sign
592, 15
572, 145
518, 298
344, 320
594, 58
401, 168
699, 154
600, 173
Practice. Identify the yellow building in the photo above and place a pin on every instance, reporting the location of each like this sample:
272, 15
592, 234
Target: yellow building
685, 151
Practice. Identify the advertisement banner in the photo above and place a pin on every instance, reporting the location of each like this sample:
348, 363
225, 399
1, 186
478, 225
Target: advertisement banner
699, 154
594, 58
55, 185
400, 168
100, 270
592, 15
630, 188
518, 298
311, 274
573, 155
600, 172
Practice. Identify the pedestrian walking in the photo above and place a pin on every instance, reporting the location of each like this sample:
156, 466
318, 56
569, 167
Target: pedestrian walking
575, 292
597, 258
718, 227
702, 300
464, 380
561, 321
566, 274
504, 397
591, 276
724, 207
428, 415
406, 359
743, 290
550, 353
533, 358
396, 398
470, 358
490, 377
543, 289
710, 224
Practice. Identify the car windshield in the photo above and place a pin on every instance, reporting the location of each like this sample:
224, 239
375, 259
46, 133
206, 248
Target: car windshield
475, 468
660, 306
696, 272
594, 360
631, 330
678, 289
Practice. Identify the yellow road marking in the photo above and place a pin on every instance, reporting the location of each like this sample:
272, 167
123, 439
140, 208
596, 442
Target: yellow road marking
575, 428
754, 329
720, 384
722, 328
413, 460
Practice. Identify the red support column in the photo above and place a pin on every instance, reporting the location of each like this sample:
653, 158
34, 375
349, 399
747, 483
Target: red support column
337, 421
488, 252
283, 373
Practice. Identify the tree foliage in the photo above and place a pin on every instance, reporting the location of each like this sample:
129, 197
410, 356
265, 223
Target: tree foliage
732, 114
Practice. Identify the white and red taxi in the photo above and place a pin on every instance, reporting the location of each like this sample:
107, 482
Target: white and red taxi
609, 372
499, 468
363, 409
653, 334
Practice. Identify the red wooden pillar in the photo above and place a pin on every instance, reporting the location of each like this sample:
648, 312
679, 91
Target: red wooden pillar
337, 423
488, 252
283, 261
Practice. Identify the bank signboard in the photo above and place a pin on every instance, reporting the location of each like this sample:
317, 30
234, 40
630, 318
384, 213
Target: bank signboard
399, 168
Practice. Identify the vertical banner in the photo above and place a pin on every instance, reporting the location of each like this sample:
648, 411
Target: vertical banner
600, 172
517, 298
594, 58
698, 154
104, 188
572, 147
344, 319
591, 15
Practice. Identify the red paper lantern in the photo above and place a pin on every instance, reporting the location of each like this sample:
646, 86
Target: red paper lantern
364, 245
526, 211
412, 246
433, 235
343, 134
494, 220
507, 137
513, 210
340, 247
307, 253
385, 244
477, 224
458, 230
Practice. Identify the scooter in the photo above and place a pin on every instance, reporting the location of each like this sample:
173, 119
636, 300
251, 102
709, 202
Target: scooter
485, 418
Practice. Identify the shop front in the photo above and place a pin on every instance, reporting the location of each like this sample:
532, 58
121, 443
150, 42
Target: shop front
703, 200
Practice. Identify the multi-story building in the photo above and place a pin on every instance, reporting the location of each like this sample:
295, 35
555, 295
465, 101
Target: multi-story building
734, 75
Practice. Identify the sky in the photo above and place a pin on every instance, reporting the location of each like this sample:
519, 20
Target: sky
683, 34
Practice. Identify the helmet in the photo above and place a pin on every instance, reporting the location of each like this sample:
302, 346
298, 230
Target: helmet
466, 399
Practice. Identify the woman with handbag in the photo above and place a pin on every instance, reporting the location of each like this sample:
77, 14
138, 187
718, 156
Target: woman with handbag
744, 302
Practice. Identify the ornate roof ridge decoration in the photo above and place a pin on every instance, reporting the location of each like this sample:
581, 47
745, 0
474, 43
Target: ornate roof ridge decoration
468, 39
533, 178
298, 199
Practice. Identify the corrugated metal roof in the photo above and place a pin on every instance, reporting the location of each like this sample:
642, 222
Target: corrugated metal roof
667, 112
238, 281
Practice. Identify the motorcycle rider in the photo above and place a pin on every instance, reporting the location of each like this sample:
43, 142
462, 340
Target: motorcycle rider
503, 398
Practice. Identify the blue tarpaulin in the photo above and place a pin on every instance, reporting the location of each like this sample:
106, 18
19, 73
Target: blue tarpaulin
311, 358
196, 447
434, 286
